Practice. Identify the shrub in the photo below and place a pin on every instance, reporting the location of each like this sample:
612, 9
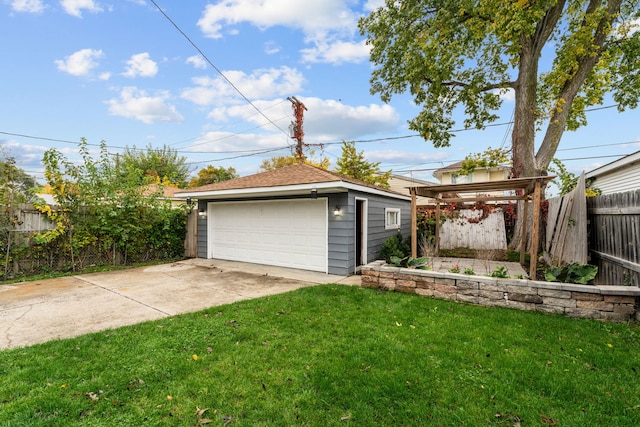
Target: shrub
395, 246
573, 273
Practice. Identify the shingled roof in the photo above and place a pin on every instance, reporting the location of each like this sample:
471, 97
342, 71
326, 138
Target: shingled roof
288, 175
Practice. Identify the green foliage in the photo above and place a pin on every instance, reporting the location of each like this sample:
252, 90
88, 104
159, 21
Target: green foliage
162, 165
395, 246
353, 164
490, 158
103, 208
573, 273
460, 55
409, 262
469, 271
212, 174
282, 161
567, 181
500, 272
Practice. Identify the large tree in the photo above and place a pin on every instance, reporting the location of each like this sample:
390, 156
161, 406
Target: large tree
558, 56
352, 163
163, 165
212, 174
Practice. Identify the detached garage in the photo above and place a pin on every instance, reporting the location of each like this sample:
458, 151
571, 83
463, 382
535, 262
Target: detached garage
299, 217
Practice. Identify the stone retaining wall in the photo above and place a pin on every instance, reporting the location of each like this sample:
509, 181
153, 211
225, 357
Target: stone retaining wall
611, 303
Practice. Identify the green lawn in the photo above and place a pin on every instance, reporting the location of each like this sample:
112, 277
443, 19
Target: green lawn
332, 355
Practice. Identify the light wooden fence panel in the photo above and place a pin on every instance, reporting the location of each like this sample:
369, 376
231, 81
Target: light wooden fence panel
614, 240
488, 234
566, 235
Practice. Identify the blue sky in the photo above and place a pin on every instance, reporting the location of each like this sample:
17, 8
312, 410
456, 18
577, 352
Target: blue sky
119, 71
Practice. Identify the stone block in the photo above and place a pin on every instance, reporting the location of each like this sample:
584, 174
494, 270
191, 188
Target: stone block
425, 283
494, 295
445, 282
387, 283
444, 295
559, 302
498, 287
550, 309
595, 305
467, 284
490, 302
369, 282
522, 290
620, 299
387, 274
584, 296
583, 312
448, 289
525, 298
404, 276
405, 289
616, 317
521, 305
406, 283
472, 299
469, 292
372, 273
424, 292
624, 308
554, 293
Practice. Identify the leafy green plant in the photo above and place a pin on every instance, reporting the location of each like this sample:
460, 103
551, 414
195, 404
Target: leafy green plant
396, 246
500, 272
409, 262
455, 269
573, 273
469, 271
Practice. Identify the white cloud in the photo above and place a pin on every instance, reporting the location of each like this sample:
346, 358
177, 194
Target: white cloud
325, 24
324, 120
75, 7
260, 84
337, 52
135, 103
372, 5
508, 95
219, 142
271, 47
79, 63
197, 61
28, 6
140, 65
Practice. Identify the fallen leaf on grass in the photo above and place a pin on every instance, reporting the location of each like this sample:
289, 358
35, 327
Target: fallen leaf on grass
548, 420
199, 414
345, 417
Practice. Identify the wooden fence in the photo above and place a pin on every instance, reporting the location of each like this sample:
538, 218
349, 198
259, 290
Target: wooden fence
485, 235
614, 240
566, 232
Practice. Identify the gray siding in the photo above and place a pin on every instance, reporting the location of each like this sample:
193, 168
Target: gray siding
202, 230
341, 249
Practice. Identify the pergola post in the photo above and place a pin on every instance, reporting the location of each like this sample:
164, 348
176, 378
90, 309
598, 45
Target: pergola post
437, 242
535, 230
523, 242
414, 227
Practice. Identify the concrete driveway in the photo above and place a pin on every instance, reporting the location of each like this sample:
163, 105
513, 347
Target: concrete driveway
39, 311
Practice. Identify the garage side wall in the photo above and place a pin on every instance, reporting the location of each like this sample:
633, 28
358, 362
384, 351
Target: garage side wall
377, 233
342, 228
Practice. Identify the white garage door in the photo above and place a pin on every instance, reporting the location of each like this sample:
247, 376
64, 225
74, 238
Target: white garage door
286, 233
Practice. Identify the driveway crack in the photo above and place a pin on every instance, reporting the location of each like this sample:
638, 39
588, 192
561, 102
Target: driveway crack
97, 285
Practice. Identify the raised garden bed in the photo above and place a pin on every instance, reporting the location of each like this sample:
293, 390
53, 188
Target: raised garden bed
610, 303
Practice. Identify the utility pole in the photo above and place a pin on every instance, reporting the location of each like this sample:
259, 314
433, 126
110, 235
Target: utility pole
296, 126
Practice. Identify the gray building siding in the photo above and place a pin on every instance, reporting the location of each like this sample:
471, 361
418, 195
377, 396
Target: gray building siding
341, 237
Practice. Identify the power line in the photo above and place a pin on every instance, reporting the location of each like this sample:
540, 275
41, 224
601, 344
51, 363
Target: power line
216, 68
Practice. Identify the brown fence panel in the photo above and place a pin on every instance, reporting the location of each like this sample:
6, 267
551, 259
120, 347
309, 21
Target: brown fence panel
615, 238
191, 239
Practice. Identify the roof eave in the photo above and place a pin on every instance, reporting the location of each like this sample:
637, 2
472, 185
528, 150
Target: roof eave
289, 190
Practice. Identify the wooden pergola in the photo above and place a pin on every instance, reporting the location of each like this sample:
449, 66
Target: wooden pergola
531, 190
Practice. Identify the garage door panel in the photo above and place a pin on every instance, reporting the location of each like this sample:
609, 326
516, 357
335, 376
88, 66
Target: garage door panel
289, 233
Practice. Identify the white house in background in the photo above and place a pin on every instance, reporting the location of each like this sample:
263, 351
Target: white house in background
447, 174
618, 176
